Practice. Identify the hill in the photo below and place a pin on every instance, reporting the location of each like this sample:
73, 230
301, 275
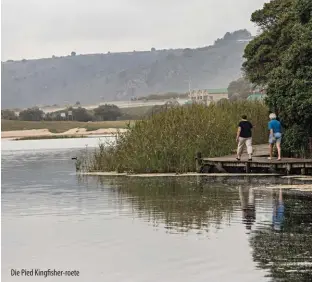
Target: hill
121, 76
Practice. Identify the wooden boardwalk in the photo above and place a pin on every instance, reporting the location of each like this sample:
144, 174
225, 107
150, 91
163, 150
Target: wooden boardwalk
259, 163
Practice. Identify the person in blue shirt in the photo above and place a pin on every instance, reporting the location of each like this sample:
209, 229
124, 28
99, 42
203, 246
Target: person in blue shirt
275, 136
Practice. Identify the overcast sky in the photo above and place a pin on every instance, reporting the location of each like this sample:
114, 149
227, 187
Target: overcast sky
42, 28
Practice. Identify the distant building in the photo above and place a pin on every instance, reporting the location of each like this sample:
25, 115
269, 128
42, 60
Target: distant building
208, 95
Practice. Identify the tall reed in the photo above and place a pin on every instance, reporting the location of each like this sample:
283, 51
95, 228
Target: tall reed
169, 140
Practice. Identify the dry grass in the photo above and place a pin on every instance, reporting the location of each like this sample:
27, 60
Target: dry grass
169, 140
59, 126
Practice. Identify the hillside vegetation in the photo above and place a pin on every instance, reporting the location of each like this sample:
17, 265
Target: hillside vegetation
121, 76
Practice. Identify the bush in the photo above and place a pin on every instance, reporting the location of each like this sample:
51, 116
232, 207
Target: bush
31, 114
8, 114
81, 114
169, 140
107, 112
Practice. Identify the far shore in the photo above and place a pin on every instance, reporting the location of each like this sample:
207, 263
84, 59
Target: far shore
72, 132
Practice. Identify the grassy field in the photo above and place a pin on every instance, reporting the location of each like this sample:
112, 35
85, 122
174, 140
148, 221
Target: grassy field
59, 126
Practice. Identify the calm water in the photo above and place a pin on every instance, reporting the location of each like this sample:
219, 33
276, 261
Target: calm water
156, 229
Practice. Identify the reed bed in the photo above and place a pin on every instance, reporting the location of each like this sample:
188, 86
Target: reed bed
168, 141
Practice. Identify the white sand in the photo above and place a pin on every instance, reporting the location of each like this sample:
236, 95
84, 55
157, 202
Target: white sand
71, 132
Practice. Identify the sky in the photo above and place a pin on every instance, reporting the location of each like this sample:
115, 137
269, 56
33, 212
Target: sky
42, 28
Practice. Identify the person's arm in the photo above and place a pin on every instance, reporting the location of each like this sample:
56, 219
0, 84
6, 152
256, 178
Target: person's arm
271, 129
238, 133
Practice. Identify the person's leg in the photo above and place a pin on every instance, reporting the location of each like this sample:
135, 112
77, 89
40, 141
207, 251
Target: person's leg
271, 151
249, 147
278, 146
240, 147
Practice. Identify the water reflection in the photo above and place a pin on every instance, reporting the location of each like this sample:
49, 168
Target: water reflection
182, 205
278, 212
247, 199
282, 246
285, 247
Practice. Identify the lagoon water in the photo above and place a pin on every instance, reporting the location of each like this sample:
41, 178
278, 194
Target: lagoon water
152, 229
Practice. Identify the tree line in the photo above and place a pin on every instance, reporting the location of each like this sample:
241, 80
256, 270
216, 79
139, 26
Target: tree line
238, 90
101, 113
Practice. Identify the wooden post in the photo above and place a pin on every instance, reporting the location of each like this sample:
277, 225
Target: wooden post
248, 167
199, 162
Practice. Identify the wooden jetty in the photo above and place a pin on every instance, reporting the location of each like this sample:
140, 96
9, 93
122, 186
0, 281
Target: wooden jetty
259, 163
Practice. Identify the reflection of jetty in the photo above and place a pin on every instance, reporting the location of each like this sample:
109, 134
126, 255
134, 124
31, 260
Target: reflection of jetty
259, 163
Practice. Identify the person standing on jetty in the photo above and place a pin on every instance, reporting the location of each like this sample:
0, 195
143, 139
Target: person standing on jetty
244, 137
275, 136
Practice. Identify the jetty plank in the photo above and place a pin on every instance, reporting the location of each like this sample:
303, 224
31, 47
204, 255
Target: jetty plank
260, 162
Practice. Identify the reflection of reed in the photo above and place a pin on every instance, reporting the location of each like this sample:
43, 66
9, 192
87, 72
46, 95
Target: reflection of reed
287, 252
181, 205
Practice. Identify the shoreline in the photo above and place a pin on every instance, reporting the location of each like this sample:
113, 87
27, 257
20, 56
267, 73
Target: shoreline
290, 185
37, 133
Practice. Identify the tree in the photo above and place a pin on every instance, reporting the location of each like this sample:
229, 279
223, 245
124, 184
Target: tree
81, 114
73, 53
78, 104
236, 35
107, 112
153, 49
31, 114
8, 114
280, 59
239, 89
